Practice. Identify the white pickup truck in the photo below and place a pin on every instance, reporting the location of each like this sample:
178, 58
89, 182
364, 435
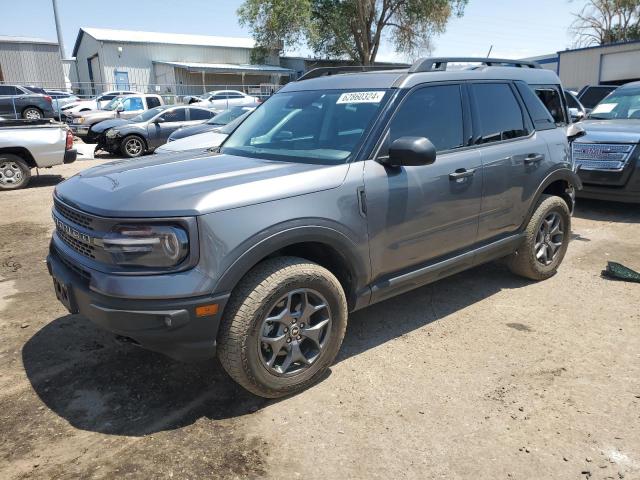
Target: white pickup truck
29, 144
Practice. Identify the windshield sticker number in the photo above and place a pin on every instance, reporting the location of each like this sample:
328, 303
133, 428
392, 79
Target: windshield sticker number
360, 97
604, 108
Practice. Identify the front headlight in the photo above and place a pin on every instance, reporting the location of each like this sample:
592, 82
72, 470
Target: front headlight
111, 133
78, 120
158, 246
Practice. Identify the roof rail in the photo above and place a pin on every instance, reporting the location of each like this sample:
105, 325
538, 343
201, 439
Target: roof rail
326, 71
434, 64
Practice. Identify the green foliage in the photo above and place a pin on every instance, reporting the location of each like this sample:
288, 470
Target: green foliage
606, 21
351, 29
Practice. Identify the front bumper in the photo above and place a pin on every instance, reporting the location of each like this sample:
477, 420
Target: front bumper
70, 156
79, 130
169, 326
609, 194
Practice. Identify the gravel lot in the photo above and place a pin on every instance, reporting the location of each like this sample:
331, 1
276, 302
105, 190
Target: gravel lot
482, 375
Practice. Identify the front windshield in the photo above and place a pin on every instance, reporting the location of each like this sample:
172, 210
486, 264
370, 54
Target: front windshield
620, 104
113, 104
226, 116
148, 114
320, 126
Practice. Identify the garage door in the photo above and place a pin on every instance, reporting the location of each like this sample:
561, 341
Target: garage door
620, 66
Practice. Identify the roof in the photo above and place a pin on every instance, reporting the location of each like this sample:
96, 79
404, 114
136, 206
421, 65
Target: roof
404, 79
229, 67
606, 45
134, 36
11, 39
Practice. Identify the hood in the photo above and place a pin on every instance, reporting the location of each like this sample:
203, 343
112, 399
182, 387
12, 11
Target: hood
186, 185
611, 131
201, 141
93, 116
107, 124
193, 130
90, 104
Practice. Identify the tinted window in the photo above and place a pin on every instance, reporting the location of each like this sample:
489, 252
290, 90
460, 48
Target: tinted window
220, 96
550, 96
541, 117
432, 112
107, 97
571, 101
8, 90
235, 95
499, 113
152, 102
199, 114
177, 115
591, 96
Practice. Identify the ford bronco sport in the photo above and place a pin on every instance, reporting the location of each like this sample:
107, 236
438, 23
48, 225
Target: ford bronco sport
338, 192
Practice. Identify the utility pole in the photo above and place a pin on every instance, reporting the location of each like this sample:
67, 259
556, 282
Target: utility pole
58, 29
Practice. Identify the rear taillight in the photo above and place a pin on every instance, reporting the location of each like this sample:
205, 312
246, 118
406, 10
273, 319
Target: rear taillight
69, 144
48, 98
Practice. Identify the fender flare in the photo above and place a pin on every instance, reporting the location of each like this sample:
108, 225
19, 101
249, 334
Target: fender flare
358, 265
564, 174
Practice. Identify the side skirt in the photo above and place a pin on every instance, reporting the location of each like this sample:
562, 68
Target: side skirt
401, 283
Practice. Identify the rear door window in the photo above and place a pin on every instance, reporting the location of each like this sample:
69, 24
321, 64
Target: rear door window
200, 114
175, 115
499, 116
8, 90
152, 102
551, 98
432, 112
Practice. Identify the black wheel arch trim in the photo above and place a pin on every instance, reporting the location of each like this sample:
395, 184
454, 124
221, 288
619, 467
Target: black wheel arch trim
564, 174
359, 267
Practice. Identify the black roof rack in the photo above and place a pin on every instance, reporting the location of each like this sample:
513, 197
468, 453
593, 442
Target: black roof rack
435, 64
326, 71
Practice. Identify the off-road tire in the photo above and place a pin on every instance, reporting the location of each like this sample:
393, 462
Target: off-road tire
523, 262
251, 302
14, 162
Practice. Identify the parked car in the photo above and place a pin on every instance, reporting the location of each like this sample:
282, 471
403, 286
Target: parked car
607, 158
591, 95
204, 141
96, 103
127, 106
223, 99
576, 109
59, 99
19, 102
29, 144
213, 124
338, 192
147, 131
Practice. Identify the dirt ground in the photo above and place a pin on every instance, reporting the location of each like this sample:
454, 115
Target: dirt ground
480, 376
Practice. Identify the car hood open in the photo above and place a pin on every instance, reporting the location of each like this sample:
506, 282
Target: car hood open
611, 131
185, 185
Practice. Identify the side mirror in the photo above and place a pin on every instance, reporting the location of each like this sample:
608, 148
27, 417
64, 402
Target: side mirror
576, 115
575, 131
119, 108
159, 120
411, 151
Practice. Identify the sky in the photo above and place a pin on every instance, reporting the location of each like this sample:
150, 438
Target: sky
515, 28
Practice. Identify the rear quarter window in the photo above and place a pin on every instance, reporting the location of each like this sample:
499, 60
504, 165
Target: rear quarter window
540, 115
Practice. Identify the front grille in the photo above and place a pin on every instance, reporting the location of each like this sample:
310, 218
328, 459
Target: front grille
74, 215
601, 156
78, 246
80, 271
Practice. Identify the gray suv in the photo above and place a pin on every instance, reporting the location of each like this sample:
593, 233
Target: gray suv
338, 192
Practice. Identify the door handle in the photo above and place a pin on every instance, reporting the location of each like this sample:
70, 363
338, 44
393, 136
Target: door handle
462, 173
533, 158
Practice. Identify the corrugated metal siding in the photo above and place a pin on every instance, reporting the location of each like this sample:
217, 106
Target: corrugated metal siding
87, 49
582, 67
30, 63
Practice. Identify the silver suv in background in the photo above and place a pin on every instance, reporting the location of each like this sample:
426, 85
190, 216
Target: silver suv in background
338, 192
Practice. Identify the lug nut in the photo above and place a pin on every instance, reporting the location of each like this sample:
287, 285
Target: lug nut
299, 337
302, 325
289, 340
293, 321
286, 329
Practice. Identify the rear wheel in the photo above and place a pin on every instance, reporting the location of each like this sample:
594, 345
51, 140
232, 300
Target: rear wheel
14, 172
546, 240
132, 146
283, 326
32, 113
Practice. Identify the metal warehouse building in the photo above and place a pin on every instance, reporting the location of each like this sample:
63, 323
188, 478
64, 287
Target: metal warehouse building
26, 61
613, 64
170, 63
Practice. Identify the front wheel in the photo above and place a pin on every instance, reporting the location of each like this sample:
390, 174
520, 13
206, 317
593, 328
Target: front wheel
283, 326
132, 146
546, 240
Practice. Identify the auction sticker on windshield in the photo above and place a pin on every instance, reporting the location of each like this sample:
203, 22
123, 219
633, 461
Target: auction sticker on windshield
604, 108
361, 97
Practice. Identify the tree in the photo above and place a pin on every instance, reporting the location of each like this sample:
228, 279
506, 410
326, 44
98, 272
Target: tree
351, 29
606, 21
